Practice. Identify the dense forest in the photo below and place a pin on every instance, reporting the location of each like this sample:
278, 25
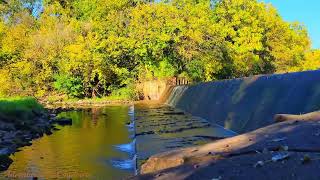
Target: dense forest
85, 48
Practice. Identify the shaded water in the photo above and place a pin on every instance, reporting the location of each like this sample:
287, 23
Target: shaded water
98, 145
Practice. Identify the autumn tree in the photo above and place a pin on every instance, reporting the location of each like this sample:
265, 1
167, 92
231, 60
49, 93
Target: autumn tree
83, 48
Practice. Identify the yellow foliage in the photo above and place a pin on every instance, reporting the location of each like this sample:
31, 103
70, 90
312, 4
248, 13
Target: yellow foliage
83, 47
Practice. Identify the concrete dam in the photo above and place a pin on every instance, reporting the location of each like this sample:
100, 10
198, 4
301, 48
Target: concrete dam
246, 104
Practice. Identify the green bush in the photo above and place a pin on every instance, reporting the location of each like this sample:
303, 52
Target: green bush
125, 93
164, 70
19, 107
72, 86
195, 70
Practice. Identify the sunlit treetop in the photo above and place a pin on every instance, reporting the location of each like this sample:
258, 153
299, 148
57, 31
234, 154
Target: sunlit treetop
83, 48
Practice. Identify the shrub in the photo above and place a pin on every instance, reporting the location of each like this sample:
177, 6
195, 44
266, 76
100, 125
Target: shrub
19, 108
72, 86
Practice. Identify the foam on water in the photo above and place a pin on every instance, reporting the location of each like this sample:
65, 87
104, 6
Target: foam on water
128, 148
125, 164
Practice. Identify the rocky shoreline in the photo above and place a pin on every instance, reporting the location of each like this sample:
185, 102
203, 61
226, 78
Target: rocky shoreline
17, 133
83, 103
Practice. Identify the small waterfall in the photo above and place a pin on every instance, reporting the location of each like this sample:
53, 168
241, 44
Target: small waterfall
127, 164
176, 95
130, 148
131, 126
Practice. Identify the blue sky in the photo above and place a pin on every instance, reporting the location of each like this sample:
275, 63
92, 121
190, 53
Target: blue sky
304, 11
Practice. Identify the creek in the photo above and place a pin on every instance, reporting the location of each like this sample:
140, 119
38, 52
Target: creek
110, 142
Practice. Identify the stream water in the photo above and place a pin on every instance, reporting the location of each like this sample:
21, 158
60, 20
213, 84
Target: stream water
96, 146
110, 142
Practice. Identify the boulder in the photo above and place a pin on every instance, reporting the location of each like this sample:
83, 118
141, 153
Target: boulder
63, 121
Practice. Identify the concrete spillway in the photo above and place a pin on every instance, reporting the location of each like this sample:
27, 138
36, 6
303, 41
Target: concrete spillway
245, 104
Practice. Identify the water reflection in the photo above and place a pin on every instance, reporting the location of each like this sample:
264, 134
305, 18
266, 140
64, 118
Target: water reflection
81, 151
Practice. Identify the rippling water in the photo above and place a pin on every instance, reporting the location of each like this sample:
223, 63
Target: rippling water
98, 145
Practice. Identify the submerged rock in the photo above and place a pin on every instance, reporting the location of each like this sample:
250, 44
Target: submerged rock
63, 121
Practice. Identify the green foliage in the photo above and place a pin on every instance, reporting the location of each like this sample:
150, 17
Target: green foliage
125, 93
196, 70
18, 107
164, 70
96, 48
311, 61
71, 86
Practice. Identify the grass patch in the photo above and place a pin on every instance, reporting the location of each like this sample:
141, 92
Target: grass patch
19, 107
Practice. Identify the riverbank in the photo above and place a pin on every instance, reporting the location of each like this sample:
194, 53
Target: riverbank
84, 103
21, 121
24, 119
286, 150
95, 146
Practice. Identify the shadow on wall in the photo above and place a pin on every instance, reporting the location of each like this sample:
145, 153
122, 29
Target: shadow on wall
246, 104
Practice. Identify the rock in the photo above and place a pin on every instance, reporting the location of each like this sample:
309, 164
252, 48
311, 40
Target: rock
55, 129
6, 143
63, 121
6, 126
52, 115
5, 162
21, 142
174, 113
4, 151
154, 164
48, 133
